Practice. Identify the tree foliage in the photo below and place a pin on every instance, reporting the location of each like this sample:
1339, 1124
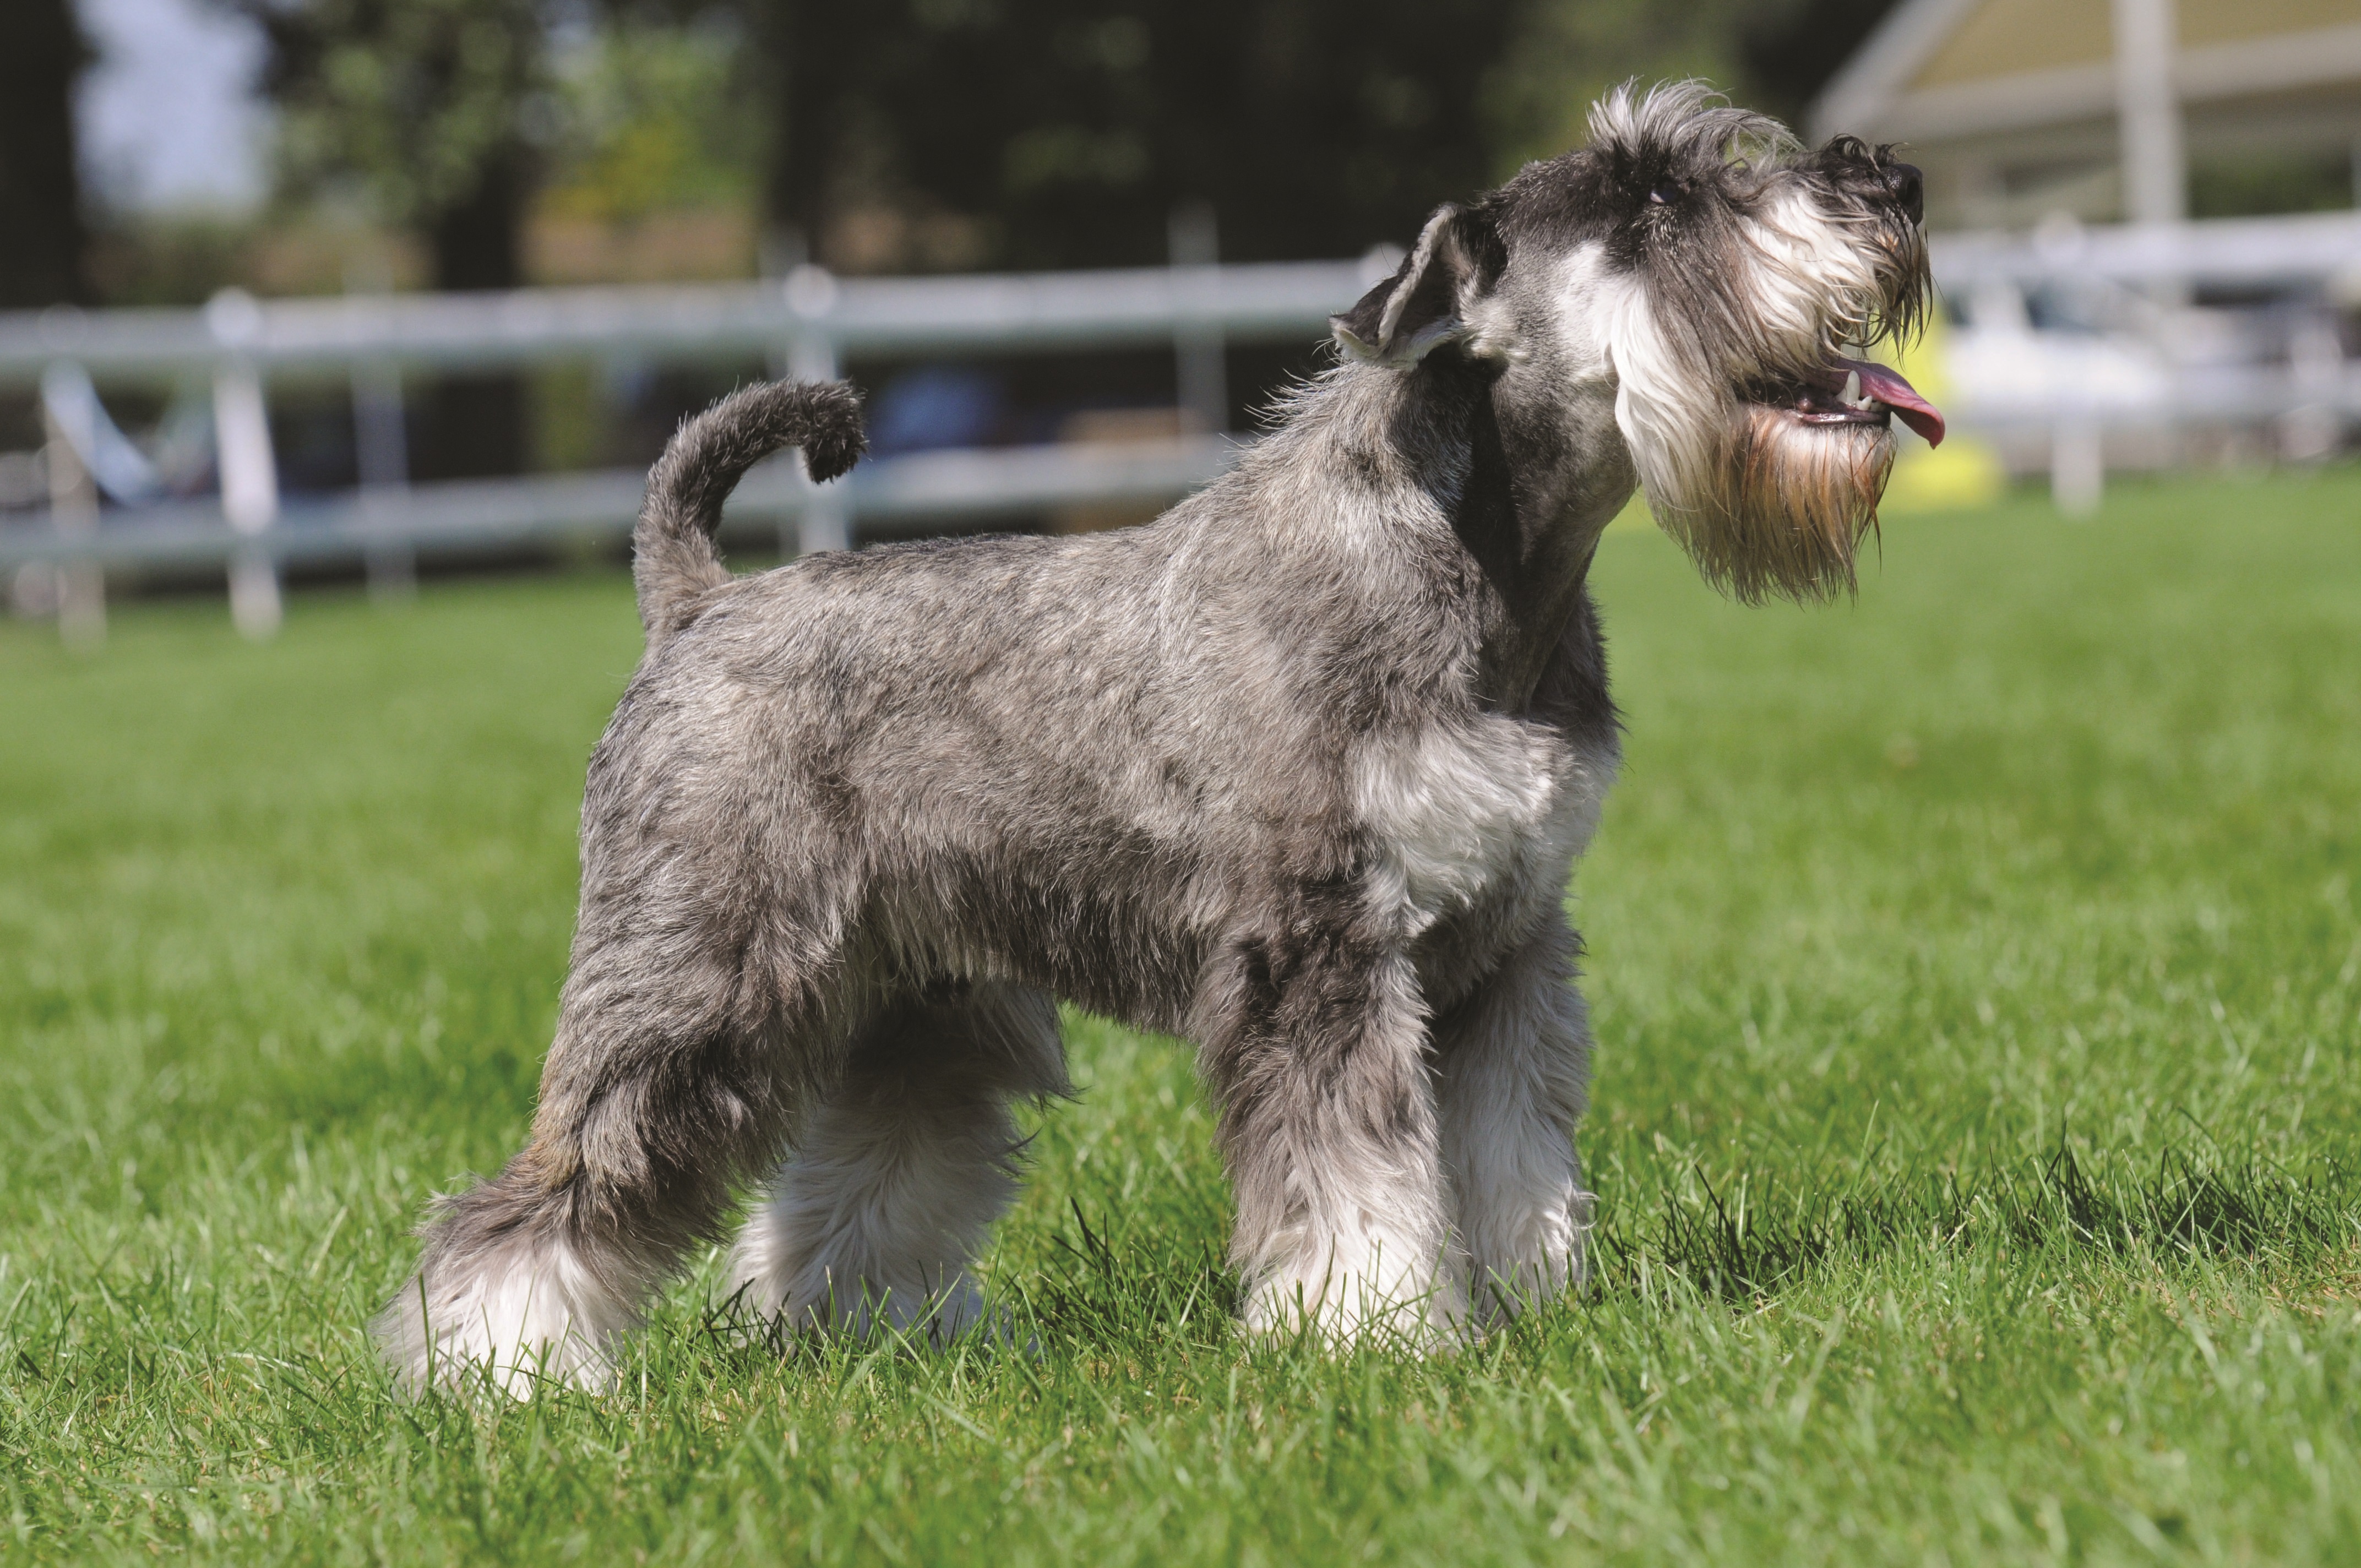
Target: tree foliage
1070, 129
423, 112
42, 225
420, 111
1067, 130
653, 117
1014, 132
1772, 55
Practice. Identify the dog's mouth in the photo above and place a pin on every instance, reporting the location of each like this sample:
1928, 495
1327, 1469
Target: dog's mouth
1854, 391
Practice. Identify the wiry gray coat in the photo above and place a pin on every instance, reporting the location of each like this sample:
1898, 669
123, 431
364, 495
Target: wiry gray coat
1297, 772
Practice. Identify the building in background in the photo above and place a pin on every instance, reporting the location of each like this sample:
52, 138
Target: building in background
2071, 352
2017, 109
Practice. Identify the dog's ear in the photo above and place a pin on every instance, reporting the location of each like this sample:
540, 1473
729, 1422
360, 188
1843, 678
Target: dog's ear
1424, 304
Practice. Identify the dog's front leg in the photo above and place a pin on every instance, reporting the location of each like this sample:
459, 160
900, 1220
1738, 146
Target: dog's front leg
1515, 1066
1328, 1126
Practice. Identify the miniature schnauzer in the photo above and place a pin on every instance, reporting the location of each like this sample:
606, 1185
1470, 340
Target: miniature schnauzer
1298, 771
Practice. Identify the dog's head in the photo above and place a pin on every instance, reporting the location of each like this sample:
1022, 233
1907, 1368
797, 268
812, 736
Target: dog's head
1720, 284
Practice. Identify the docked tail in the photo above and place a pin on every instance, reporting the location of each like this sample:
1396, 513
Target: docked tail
673, 555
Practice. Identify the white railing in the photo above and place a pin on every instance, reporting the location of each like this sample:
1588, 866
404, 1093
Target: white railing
809, 310
809, 323
2284, 252
2145, 369
804, 325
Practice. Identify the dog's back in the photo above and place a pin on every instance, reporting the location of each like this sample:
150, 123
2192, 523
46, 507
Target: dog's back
1012, 753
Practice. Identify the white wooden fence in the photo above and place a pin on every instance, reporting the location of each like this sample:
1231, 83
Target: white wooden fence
809, 323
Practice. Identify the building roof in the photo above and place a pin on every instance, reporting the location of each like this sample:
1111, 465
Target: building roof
1941, 69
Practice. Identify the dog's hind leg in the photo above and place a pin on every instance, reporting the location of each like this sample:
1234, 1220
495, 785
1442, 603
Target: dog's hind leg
669, 1081
901, 1166
1328, 1127
1515, 1065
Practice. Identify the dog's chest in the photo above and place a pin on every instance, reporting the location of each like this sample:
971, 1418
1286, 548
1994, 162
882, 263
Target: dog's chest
1475, 820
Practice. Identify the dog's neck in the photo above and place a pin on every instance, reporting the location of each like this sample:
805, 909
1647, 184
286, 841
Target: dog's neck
1527, 495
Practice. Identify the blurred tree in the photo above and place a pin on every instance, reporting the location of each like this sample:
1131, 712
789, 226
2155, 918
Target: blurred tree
652, 118
1772, 55
1064, 132
422, 111
1788, 52
41, 222
1567, 52
428, 115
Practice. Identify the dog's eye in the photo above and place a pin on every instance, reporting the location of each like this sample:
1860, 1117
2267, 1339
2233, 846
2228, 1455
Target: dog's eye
1662, 196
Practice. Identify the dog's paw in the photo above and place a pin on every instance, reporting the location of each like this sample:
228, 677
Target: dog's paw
1417, 1316
500, 1341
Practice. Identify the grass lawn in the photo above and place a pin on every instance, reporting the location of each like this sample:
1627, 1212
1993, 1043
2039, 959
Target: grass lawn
1977, 976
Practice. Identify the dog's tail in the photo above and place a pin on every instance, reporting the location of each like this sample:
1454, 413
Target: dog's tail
673, 558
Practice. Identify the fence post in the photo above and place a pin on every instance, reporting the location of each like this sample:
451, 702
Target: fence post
381, 436
2313, 429
249, 471
2078, 465
1198, 347
381, 443
74, 513
822, 522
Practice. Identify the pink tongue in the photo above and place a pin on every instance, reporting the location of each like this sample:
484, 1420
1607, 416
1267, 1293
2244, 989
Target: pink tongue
1886, 385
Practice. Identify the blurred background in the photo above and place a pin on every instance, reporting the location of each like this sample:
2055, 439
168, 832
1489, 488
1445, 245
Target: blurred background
327, 289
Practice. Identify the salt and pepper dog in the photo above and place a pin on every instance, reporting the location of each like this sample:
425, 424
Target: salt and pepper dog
1297, 773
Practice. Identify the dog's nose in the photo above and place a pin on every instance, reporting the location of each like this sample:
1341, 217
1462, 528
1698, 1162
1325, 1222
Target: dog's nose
1909, 188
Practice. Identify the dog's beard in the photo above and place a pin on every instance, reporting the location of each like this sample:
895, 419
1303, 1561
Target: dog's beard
1749, 456
1763, 445
1777, 507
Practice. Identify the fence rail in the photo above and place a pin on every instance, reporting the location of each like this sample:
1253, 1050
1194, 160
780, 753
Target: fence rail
1111, 309
809, 323
2253, 253
805, 324
887, 496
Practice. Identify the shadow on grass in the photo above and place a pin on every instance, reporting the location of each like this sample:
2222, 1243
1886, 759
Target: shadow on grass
1105, 1286
1092, 1288
2184, 1204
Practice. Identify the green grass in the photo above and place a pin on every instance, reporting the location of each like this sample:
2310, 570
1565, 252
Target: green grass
1978, 983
